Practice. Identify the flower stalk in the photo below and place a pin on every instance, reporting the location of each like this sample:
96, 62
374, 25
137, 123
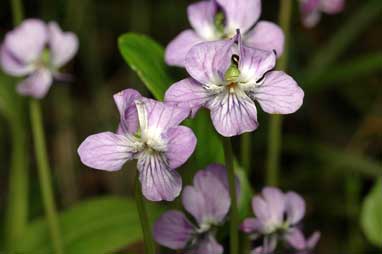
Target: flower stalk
17, 206
144, 219
274, 137
45, 176
234, 215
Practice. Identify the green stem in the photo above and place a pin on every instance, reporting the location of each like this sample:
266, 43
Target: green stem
246, 152
234, 215
17, 208
143, 217
274, 137
44, 175
17, 12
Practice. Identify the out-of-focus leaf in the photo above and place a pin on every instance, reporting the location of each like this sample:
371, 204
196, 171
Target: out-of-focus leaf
209, 147
342, 39
348, 71
338, 158
102, 225
371, 215
146, 57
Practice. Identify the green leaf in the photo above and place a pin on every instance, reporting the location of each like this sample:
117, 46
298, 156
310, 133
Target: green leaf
146, 57
102, 225
371, 215
209, 148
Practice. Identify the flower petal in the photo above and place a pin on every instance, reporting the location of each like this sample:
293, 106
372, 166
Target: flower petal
279, 94
207, 245
37, 84
207, 200
276, 203
178, 48
26, 42
253, 64
295, 207
311, 19
106, 151
187, 93
13, 66
173, 230
260, 209
125, 101
313, 240
208, 61
201, 16
63, 46
332, 6
181, 144
251, 225
220, 173
240, 14
158, 181
233, 113
266, 36
296, 239
157, 115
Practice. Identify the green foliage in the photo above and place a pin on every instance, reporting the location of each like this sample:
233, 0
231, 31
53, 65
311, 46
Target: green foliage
146, 57
371, 216
102, 225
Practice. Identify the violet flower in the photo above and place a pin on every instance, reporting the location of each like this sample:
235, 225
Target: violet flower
208, 202
149, 131
227, 78
311, 10
277, 217
213, 20
37, 50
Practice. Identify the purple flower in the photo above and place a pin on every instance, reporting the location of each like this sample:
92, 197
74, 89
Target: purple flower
208, 202
213, 20
311, 10
227, 77
149, 131
277, 216
37, 50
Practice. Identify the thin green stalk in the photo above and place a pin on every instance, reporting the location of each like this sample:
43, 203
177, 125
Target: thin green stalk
143, 217
17, 12
17, 208
274, 136
234, 215
246, 151
44, 175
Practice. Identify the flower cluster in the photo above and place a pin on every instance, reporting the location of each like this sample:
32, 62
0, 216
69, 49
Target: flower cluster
214, 20
37, 50
208, 202
149, 131
311, 10
277, 217
230, 58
